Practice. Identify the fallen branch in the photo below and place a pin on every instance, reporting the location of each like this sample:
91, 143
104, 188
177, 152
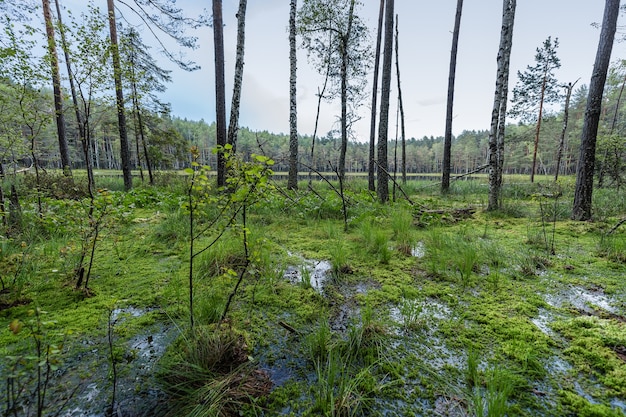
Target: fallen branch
614, 228
411, 202
289, 328
480, 168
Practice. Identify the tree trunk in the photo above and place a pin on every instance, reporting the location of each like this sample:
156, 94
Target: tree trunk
401, 110
498, 114
371, 171
345, 44
568, 94
233, 127
292, 182
586, 161
220, 90
538, 126
119, 95
79, 119
383, 125
447, 144
613, 123
56, 86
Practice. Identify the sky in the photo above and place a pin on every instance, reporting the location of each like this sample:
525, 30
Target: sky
425, 36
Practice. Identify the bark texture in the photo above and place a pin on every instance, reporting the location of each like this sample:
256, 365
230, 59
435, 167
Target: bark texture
56, 86
586, 161
447, 144
383, 125
233, 127
220, 90
292, 181
371, 170
498, 113
119, 96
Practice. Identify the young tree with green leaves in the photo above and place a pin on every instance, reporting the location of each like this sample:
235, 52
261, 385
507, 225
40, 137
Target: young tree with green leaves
586, 162
536, 87
335, 39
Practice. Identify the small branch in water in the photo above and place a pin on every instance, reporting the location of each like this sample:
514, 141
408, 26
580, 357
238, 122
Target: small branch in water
289, 328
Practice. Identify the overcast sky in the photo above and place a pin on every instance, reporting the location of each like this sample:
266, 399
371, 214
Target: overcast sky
425, 36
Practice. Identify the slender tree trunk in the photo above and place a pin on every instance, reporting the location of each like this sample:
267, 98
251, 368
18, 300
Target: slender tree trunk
613, 123
79, 118
498, 114
220, 90
345, 45
142, 137
447, 144
371, 171
401, 111
383, 125
233, 127
568, 94
292, 182
538, 127
119, 95
586, 161
56, 86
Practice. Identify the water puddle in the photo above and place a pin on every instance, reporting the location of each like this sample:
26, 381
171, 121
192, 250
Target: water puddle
309, 272
582, 299
419, 250
137, 392
543, 320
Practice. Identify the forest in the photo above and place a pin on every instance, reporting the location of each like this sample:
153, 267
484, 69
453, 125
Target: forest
152, 265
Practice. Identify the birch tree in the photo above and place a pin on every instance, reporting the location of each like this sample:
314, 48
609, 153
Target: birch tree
292, 182
498, 113
233, 126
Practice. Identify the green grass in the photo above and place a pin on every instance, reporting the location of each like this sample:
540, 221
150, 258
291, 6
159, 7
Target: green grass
467, 331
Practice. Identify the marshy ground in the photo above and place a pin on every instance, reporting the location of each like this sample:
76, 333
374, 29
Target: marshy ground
415, 309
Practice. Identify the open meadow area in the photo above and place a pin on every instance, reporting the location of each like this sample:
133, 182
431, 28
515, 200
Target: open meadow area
180, 300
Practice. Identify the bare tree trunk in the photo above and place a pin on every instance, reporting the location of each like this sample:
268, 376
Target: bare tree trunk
371, 171
498, 114
613, 123
220, 90
233, 127
538, 126
447, 144
79, 119
586, 161
344, 91
119, 95
56, 86
568, 94
292, 182
383, 125
401, 110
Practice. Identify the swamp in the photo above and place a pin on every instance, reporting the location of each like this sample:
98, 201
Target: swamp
181, 300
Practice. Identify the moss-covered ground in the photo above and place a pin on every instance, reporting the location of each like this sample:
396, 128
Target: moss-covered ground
427, 307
